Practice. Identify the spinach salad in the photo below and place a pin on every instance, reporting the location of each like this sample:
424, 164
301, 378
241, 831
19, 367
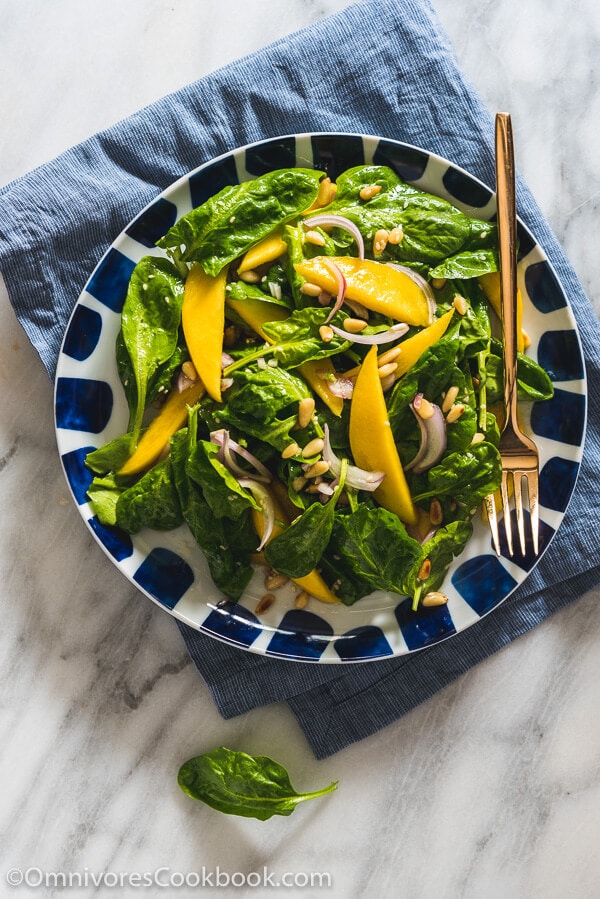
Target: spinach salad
314, 382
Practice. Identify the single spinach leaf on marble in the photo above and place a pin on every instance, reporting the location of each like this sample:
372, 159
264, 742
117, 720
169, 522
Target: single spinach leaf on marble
236, 783
150, 324
222, 492
227, 545
239, 216
370, 550
151, 502
467, 476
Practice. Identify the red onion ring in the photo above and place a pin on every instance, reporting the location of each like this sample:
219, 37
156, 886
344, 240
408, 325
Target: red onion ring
265, 501
433, 439
356, 477
338, 221
424, 285
393, 333
341, 286
228, 447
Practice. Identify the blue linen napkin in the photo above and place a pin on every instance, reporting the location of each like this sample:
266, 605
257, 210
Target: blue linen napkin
379, 67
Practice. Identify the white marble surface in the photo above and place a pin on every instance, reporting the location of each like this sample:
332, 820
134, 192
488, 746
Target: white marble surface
492, 788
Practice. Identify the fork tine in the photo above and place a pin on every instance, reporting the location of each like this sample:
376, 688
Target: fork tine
506, 507
517, 483
490, 508
534, 512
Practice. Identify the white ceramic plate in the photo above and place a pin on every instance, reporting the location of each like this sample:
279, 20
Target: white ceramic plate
90, 409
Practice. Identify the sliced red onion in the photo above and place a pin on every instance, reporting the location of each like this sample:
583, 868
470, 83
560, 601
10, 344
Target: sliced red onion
226, 359
226, 454
183, 382
433, 439
355, 477
265, 501
338, 221
422, 283
341, 387
393, 333
341, 286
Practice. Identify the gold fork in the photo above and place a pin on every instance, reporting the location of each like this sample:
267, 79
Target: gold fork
519, 454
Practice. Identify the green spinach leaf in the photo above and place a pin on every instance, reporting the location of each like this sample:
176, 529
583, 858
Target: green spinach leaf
151, 502
236, 783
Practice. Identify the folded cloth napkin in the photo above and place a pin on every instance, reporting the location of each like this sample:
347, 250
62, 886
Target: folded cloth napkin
379, 67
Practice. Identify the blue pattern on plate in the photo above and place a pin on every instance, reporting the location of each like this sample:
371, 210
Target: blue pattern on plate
109, 282
408, 162
165, 575
558, 353
561, 418
543, 289
276, 155
234, 623
429, 626
334, 153
83, 333
117, 542
300, 634
85, 402
153, 223
483, 582
557, 481
209, 180
366, 642
83, 405
78, 475
470, 193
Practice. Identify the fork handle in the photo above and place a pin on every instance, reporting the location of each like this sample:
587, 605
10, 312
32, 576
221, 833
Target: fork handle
507, 243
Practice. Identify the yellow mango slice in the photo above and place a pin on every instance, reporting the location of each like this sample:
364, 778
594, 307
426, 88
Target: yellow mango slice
255, 312
203, 321
377, 286
312, 582
372, 443
172, 416
267, 250
414, 347
490, 284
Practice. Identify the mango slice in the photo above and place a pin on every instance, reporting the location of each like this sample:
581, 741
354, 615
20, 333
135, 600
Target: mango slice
203, 321
372, 443
490, 284
377, 286
312, 582
267, 250
317, 373
414, 347
172, 416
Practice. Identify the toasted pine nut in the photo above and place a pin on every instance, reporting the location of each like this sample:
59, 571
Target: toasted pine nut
311, 290
306, 407
301, 600
389, 355
315, 238
313, 447
325, 333
380, 242
274, 580
449, 399
292, 449
477, 438
298, 483
388, 382
327, 191
435, 598
460, 304
424, 409
250, 277
424, 570
526, 339
265, 603
355, 325
436, 514
317, 469
388, 369
455, 412
371, 190
189, 371
438, 282
396, 235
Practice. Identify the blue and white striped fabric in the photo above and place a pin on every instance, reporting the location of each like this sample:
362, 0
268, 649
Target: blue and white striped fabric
376, 68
